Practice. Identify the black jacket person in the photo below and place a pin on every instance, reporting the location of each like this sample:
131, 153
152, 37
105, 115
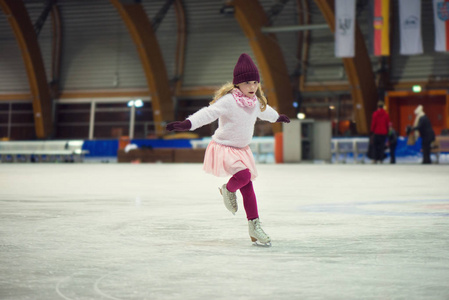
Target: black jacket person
424, 127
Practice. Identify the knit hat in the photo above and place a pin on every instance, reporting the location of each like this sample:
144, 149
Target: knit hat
245, 70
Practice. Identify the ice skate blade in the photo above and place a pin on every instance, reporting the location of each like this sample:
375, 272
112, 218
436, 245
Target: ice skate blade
258, 244
266, 245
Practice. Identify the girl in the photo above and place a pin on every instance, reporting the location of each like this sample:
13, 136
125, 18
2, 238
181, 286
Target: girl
236, 106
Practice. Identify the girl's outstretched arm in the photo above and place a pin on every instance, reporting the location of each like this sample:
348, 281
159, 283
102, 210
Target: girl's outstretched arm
270, 115
202, 117
179, 126
283, 118
209, 114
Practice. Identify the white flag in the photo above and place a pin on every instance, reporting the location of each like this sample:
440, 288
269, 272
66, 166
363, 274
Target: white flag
410, 27
344, 28
441, 20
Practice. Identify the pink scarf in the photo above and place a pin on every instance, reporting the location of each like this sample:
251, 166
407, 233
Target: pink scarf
242, 100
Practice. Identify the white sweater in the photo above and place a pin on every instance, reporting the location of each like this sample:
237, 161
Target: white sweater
235, 123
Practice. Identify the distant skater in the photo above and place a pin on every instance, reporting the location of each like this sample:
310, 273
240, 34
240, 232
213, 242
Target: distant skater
379, 129
237, 106
392, 143
424, 127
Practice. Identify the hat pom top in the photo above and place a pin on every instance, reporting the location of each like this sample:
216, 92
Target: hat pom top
245, 70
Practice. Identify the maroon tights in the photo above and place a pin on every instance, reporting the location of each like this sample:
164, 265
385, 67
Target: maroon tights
242, 181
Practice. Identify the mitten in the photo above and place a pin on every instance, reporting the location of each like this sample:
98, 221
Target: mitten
408, 129
283, 119
179, 126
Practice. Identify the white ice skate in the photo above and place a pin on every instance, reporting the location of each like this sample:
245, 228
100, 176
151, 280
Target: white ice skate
229, 199
258, 236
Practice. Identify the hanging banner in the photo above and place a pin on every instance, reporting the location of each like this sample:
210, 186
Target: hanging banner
381, 27
441, 20
410, 27
344, 28
370, 33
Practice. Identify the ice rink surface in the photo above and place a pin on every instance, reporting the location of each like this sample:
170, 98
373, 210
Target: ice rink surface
161, 231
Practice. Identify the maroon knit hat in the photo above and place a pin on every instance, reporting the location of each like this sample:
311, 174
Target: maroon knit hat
245, 70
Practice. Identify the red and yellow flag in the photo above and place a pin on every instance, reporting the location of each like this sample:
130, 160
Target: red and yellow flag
381, 27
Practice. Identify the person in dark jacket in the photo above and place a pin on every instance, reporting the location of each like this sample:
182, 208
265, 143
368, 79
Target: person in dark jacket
392, 143
424, 127
379, 129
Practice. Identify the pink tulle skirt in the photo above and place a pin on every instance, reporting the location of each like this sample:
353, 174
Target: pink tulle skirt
222, 161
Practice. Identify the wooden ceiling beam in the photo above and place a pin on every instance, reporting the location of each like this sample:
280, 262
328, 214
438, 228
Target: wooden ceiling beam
359, 71
326, 87
26, 37
15, 96
199, 91
142, 33
56, 51
181, 41
303, 12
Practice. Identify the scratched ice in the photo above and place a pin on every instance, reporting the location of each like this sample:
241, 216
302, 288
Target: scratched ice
160, 231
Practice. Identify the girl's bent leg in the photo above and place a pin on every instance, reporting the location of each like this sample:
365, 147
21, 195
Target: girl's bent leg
239, 180
242, 181
249, 201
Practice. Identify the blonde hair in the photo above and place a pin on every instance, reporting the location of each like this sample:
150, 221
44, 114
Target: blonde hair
228, 87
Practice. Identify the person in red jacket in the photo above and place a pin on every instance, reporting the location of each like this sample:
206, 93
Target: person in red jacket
379, 128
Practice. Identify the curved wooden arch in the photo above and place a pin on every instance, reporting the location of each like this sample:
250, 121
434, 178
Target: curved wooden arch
142, 33
303, 12
276, 80
23, 29
359, 70
56, 51
180, 44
